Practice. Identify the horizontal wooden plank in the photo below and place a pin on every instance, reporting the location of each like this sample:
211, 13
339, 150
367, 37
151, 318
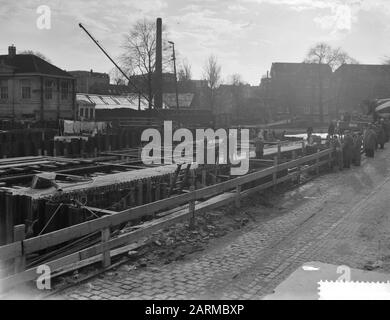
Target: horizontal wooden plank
66, 234
96, 250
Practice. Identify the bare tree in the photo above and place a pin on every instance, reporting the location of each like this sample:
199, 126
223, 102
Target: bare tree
324, 54
139, 53
236, 79
117, 77
212, 74
185, 72
36, 53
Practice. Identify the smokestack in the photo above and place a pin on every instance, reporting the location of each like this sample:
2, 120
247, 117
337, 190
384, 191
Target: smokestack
12, 51
158, 72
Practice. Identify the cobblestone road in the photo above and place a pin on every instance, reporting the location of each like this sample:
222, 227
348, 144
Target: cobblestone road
339, 218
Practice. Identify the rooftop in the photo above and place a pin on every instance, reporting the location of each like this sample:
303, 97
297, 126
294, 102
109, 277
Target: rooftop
29, 63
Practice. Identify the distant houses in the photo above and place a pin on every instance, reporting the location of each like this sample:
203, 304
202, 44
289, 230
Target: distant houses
87, 80
34, 89
313, 92
300, 90
354, 85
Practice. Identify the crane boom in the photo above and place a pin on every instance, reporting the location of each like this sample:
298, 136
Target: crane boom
114, 63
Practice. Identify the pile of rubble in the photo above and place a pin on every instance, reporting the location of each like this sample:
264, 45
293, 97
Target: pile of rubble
179, 241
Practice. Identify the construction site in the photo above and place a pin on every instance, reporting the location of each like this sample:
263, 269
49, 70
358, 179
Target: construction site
81, 209
75, 201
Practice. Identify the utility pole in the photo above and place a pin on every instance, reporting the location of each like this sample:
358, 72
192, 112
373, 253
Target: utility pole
174, 71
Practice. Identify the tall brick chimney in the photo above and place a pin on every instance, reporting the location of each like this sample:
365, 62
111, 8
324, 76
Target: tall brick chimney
158, 73
11, 51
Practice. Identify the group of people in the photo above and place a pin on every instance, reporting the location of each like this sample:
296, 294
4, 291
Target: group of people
347, 148
375, 136
348, 145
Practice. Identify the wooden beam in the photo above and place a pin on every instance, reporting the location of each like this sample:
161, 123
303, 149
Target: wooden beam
66, 234
19, 235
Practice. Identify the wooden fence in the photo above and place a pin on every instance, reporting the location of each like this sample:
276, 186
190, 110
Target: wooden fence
223, 193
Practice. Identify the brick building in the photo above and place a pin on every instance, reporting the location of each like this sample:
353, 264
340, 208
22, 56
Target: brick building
242, 104
293, 91
85, 80
31, 88
353, 84
300, 90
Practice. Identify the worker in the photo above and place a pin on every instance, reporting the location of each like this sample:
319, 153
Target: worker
331, 129
347, 149
265, 135
337, 151
309, 132
383, 125
357, 147
369, 141
386, 124
259, 146
273, 135
380, 135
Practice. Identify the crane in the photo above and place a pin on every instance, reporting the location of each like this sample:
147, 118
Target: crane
115, 64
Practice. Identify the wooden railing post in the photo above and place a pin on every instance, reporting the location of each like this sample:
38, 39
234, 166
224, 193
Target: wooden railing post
157, 190
148, 190
9, 216
20, 235
299, 174
106, 257
274, 175
237, 199
279, 150
303, 148
317, 163
191, 209
204, 180
293, 157
140, 191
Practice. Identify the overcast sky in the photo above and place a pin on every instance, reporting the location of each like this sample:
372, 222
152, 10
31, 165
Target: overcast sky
245, 35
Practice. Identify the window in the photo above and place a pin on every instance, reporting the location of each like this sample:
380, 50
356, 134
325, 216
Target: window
3, 89
25, 86
81, 112
64, 90
91, 113
49, 89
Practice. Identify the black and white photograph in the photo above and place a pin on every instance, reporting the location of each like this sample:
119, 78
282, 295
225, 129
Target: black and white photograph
194, 155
